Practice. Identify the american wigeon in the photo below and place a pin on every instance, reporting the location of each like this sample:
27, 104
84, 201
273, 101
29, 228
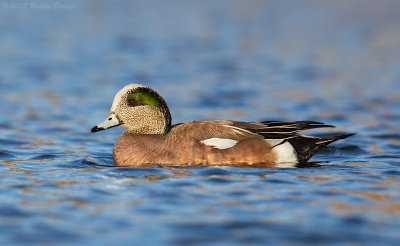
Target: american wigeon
150, 138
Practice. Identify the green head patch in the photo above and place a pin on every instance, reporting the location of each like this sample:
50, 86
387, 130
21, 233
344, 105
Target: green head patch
144, 96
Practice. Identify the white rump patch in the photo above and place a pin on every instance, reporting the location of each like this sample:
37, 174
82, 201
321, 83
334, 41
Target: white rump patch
274, 142
285, 153
220, 143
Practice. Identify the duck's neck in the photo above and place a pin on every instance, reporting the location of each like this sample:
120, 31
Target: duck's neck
158, 123
167, 117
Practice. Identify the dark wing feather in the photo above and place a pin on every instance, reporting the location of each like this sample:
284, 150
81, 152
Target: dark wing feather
296, 125
277, 129
274, 129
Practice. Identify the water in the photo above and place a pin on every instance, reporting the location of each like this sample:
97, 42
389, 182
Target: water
330, 61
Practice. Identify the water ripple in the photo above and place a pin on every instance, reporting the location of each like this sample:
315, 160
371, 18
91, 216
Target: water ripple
248, 61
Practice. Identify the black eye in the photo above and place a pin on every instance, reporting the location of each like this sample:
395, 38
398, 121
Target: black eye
109, 118
132, 102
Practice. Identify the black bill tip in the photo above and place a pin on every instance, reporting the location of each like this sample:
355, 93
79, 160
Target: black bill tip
96, 129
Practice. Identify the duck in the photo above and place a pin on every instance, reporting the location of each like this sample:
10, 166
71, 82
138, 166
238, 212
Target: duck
150, 138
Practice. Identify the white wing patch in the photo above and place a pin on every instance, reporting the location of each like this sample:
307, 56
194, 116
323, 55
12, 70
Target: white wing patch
285, 153
220, 143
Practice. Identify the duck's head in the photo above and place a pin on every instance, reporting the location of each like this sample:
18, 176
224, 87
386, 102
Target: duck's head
140, 110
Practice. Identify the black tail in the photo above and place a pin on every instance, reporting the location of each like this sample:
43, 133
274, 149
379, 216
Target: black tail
307, 146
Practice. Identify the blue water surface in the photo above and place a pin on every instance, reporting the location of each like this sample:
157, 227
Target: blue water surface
332, 61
